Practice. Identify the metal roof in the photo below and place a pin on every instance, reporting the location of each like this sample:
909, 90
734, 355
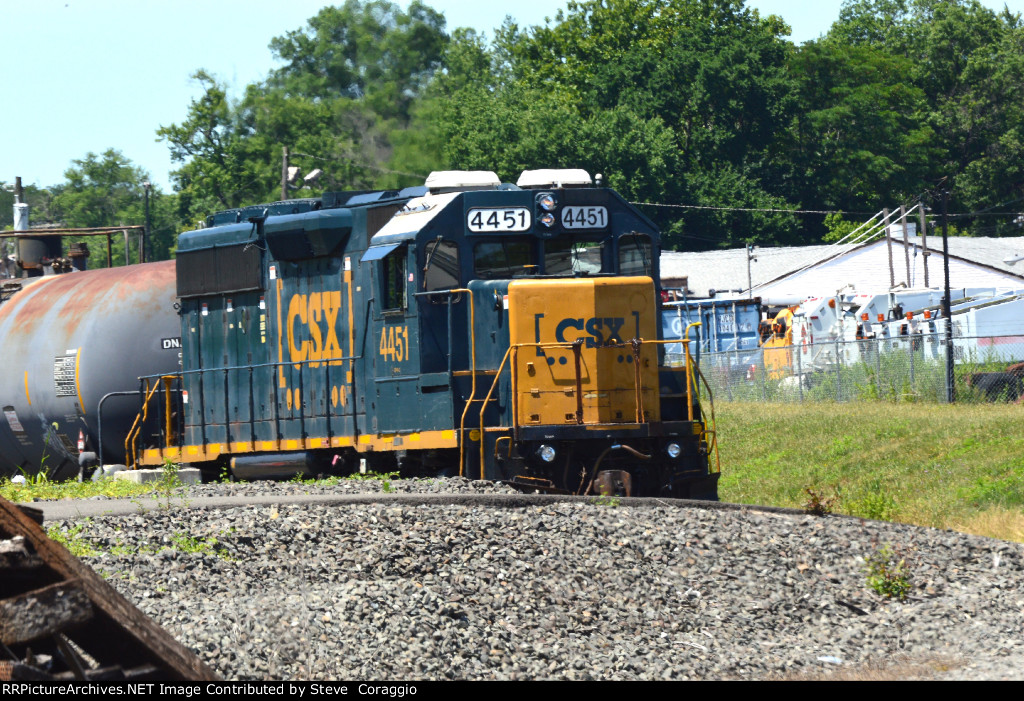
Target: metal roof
805, 266
726, 270
409, 220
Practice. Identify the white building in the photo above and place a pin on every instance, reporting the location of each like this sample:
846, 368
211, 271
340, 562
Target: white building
799, 272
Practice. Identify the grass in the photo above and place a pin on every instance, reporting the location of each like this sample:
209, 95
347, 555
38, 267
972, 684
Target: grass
898, 667
888, 574
937, 465
165, 489
957, 467
107, 486
73, 538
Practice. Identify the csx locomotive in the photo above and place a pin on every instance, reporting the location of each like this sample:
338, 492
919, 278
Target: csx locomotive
498, 331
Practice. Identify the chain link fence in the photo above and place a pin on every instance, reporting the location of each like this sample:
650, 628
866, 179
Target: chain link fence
901, 369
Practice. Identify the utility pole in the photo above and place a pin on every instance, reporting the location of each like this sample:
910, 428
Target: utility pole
924, 239
888, 244
950, 390
284, 173
147, 248
750, 259
906, 240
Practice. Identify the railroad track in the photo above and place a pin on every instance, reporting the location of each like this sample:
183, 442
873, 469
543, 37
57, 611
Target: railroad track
60, 621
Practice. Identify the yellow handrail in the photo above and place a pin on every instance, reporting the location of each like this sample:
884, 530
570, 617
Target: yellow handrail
472, 391
689, 370
714, 423
130, 454
483, 407
513, 349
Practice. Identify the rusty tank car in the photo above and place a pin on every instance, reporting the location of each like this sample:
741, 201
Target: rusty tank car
66, 342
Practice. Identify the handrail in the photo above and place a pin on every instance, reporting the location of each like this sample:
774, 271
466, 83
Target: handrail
483, 407
714, 423
130, 453
689, 369
513, 349
472, 391
99, 417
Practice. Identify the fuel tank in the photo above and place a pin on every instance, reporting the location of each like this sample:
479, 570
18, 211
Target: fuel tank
65, 342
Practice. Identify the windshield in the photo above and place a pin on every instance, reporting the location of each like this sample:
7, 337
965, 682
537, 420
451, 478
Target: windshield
441, 268
568, 256
635, 254
505, 258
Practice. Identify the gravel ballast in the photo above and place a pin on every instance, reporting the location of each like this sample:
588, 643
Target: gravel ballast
565, 590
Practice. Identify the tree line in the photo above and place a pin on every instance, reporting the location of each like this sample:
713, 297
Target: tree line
703, 110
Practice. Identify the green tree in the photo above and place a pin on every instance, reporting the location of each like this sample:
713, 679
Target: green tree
966, 60
215, 173
666, 97
106, 190
860, 140
990, 113
340, 103
363, 50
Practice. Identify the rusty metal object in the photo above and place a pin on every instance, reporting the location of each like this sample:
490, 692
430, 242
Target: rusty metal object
538, 485
60, 621
68, 340
608, 483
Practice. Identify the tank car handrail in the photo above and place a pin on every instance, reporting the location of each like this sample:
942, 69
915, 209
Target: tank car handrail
99, 416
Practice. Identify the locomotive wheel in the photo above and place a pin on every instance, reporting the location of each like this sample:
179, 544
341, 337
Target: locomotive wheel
344, 464
381, 463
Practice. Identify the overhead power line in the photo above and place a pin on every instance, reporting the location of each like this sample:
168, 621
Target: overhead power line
748, 209
363, 165
962, 215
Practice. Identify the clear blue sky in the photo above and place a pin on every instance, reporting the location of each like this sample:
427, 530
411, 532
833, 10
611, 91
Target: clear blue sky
87, 75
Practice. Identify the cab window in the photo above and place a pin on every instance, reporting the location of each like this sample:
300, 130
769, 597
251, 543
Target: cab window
440, 265
568, 256
635, 254
505, 258
393, 275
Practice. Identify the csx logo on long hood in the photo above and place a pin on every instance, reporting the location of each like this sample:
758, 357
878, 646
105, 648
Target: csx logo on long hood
595, 331
313, 319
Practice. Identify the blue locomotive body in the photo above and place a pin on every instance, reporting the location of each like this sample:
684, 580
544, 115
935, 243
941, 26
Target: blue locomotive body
497, 331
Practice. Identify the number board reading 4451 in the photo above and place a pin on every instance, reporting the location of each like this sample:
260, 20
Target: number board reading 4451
505, 219
584, 217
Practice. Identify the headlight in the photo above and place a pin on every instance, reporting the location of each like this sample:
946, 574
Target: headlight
547, 219
546, 201
546, 453
673, 450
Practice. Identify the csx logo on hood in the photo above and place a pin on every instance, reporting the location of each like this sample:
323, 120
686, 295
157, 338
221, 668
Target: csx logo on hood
595, 331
